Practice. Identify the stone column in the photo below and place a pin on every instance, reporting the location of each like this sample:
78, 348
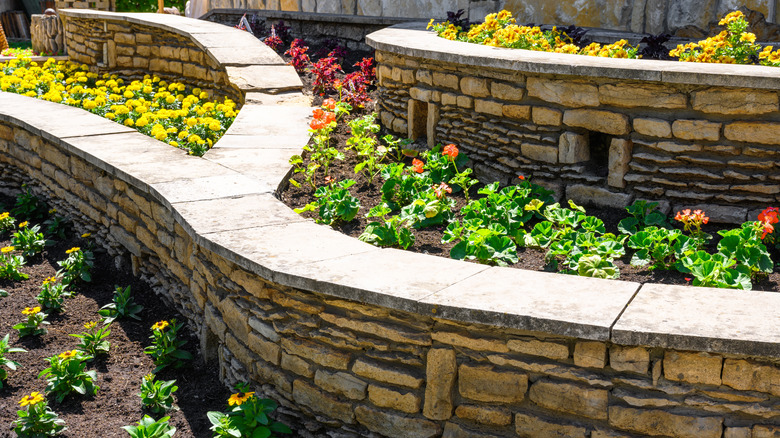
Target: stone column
47, 34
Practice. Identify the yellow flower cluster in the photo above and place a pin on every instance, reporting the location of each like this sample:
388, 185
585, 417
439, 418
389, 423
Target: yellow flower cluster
166, 111
32, 399
500, 30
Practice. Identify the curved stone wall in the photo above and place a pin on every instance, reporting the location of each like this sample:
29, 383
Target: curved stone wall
356, 340
598, 130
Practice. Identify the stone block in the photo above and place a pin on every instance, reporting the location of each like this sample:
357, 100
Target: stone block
385, 331
653, 127
341, 383
420, 94
269, 351
519, 112
765, 431
440, 373
530, 426
597, 120
482, 383
567, 93
124, 38
475, 87
395, 425
633, 359
696, 130
753, 132
297, 365
320, 402
493, 416
537, 152
573, 148
452, 430
642, 95
737, 432
287, 5
465, 102
619, 157
369, 8
590, 354
751, 376
272, 375
676, 148
472, 343
572, 399
449, 99
693, 367
547, 116
488, 107
734, 101
657, 422
387, 398
446, 80
503, 91
584, 195
386, 373
550, 350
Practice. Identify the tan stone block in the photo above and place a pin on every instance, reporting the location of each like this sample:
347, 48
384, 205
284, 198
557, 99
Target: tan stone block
676, 148
387, 398
288, 5
285, 300
597, 120
653, 127
424, 76
386, 331
631, 95
478, 344
692, 367
465, 102
734, 101
341, 383
590, 354
452, 430
634, 359
504, 91
547, 116
537, 152
482, 383
269, 351
320, 402
737, 432
124, 38
449, 99
242, 354
488, 107
395, 425
446, 80
573, 148
568, 93
657, 422
440, 373
386, 373
315, 352
297, 365
765, 431
619, 157
696, 130
549, 350
751, 376
529, 426
571, 399
236, 318
753, 132
475, 87
520, 112
493, 416
384, 74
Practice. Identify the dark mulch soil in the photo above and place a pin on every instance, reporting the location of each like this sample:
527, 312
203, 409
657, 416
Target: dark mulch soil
428, 241
119, 374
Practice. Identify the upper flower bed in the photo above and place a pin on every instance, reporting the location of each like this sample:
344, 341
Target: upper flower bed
168, 112
734, 45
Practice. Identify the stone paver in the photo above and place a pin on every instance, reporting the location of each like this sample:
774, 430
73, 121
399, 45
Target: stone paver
232, 213
268, 78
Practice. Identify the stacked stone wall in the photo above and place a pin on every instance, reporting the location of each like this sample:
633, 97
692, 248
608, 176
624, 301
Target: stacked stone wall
604, 140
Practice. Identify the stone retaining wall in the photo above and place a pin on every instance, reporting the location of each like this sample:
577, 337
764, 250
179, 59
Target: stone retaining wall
358, 341
602, 130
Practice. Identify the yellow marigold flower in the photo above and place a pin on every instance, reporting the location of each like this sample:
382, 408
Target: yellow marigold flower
129, 122
32, 399
239, 398
68, 354
733, 16
31, 310
49, 280
7, 249
749, 37
90, 325
72, 250
23, 224
160, 325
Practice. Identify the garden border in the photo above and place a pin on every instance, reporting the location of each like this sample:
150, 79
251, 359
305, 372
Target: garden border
224, 203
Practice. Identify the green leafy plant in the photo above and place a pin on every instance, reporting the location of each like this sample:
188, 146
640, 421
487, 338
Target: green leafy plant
77, 266
320, 152
29, 240
123, 305
149, 428
5, 362
398, 147
36, 419
596, 266
334, 203
716, 270
746, 247
643, 214
157, 395
7, 222
692, 223
56, 226
661, 248
93, 341
67, 374
166, 347
29, 207
431, 207
486, 244
403, 184
33, 326
246, 416
366, 146
392, 231
52, 294
10, 265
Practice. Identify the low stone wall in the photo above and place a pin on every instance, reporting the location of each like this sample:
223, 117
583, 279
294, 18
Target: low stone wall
599, 130
359, 341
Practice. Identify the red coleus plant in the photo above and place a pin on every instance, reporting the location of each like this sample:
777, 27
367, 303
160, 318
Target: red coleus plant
273, 42
297, 52
324, 72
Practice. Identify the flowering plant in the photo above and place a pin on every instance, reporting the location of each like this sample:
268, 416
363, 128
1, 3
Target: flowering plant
6, 221
334, 203
52, 294
246, 416
37, 419
166, 347
76, 266
157, 395
35, 320
93, 341
66, 374
10, 264
4, 361
28, 239
148, 427
692, 222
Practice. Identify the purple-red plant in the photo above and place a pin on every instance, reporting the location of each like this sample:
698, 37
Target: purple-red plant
368, 69
354, 89
324, 72
297, 52
273, 42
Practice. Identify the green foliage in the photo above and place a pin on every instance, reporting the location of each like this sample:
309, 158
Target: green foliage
386, 232
334, 203
157, 395
29, 240
149, 428
147, 5
10, 265
67, 374
597, 267
486, 244
37, 419
430, 207
7, 222
52, 294
123, 306
660, 248
717, 270
93, 341
745, 246
77, 266
401, 188
643, 214
33, 326
5, 362
248, 417
166, 347
29, 207
366, 146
